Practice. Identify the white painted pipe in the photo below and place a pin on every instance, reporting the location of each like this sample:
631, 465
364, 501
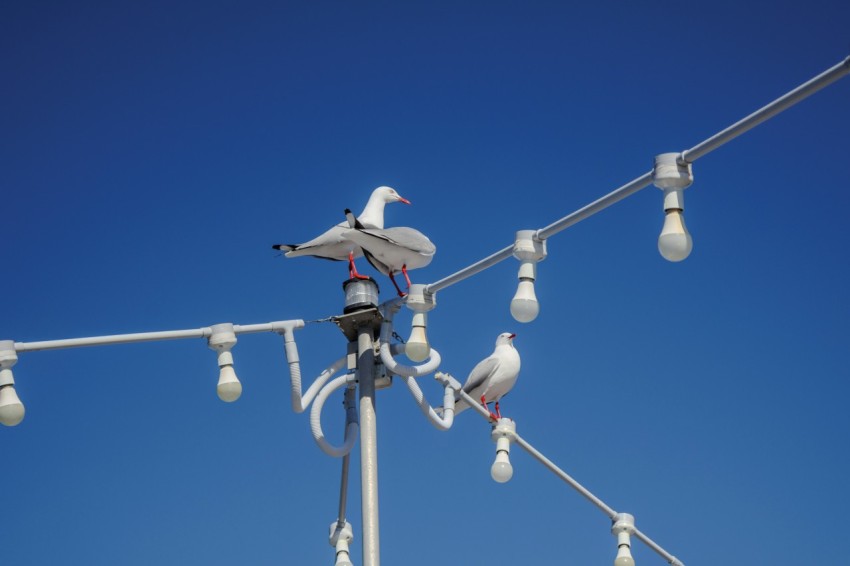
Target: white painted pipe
440, 422
386, 352
351, 428
688, 156
204, 332
300, 401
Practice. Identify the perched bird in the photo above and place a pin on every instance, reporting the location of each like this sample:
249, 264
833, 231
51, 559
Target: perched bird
492, 377
333, 244
389, 250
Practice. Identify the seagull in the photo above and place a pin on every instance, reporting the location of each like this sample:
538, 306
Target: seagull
389, 250
332, 244
493, 377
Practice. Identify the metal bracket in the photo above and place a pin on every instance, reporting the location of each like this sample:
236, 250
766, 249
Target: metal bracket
349, 323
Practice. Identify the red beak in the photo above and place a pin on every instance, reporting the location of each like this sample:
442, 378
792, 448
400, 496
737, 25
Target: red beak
404, 200
512, 336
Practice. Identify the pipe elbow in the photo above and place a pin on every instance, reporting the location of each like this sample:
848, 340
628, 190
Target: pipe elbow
386, 354
351, 429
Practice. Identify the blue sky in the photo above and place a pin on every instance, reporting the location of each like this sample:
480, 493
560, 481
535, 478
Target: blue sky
152, 153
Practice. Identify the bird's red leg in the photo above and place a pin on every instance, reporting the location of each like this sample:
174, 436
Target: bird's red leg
400, 292
352, 271
498, 412
406, 278
484, 402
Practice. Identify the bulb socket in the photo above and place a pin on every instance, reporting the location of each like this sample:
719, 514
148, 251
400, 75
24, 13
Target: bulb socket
223, 338
674, 199
669, 172
624, 523
419, 299
527, 247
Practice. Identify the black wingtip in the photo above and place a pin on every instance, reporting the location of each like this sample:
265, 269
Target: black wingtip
352, 221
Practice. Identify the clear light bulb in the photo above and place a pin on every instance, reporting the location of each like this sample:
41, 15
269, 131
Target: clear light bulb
501, 470
624, 556
674, 243
417, 348
229, 388
524, 306
11, 409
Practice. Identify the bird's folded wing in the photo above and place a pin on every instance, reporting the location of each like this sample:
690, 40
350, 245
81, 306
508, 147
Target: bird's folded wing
407, 238
376, 263
329, 238
480, 372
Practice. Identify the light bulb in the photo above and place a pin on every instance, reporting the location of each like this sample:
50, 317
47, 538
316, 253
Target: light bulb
229, 388
417, 348
674, 243
11, 409
501, 470
624, 556
524, 306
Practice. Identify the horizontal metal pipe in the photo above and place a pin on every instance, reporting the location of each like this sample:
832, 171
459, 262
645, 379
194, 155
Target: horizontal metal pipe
250, 328
276, 326
615, 196
563, 475
658, 550
803, 91
204, 332
541, 458
477, 267
569, 480
114, 339
550, 230
783, 102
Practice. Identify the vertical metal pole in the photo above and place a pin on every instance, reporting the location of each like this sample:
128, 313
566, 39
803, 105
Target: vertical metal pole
368, 446
346, 460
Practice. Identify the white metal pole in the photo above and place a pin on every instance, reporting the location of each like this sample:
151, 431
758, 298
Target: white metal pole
476, 267
615, 196
368, 446
782, 103
569, 480
346, 460
113, 339
655, 546
785, 101
205, 332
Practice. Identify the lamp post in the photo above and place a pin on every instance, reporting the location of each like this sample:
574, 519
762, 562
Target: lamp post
368, 327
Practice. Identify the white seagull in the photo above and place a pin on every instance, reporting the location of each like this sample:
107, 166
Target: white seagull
493, 377
333, 244
390, 250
